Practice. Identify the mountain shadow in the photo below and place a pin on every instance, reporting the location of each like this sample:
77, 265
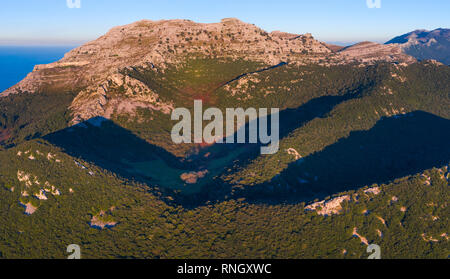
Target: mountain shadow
289, 120
111, 147
107, 145
243, 153
395, 147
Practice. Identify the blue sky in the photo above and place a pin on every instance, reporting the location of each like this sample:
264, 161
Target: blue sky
51, 22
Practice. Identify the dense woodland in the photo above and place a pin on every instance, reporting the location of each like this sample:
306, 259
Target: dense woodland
383, 127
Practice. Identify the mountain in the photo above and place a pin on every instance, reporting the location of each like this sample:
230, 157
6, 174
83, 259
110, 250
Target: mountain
370, 52
86, 154
424, 44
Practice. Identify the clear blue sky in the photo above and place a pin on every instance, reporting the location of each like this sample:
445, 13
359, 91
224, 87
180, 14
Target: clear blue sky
51, 22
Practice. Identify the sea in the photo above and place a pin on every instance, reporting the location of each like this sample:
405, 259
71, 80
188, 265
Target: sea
17, 61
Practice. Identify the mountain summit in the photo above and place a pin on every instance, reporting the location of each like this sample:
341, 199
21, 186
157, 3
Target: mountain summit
168, 42
424, 44
98, 68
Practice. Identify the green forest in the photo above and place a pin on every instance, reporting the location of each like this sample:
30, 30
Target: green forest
376, 136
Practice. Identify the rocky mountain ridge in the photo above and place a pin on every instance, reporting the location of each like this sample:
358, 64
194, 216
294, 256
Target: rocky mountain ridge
97, 68
161, 43
424, 44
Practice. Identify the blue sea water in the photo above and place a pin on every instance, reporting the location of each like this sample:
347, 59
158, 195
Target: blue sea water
17, 61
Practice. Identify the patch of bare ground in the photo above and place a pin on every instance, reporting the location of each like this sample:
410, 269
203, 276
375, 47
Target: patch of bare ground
330, 207
193, 177
5, 134
29, 208
102, 221
362, 238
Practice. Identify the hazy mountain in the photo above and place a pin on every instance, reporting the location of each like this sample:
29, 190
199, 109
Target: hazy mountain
423, 44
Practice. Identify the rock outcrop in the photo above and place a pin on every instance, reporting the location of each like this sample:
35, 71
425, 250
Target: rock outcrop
425, 45
330, 207
369, 52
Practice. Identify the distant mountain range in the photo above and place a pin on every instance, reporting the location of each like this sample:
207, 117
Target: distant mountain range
424, 44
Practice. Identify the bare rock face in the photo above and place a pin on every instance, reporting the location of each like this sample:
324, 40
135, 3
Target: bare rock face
169, 41
29, 208
95, 70
368, 52
425, 45
103, 220
330, 207
59, 76
193, 177
96, 101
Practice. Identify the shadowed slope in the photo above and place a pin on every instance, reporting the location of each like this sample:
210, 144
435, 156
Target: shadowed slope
395, 147
111, 147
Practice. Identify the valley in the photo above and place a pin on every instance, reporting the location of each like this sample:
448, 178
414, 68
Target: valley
86, 154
